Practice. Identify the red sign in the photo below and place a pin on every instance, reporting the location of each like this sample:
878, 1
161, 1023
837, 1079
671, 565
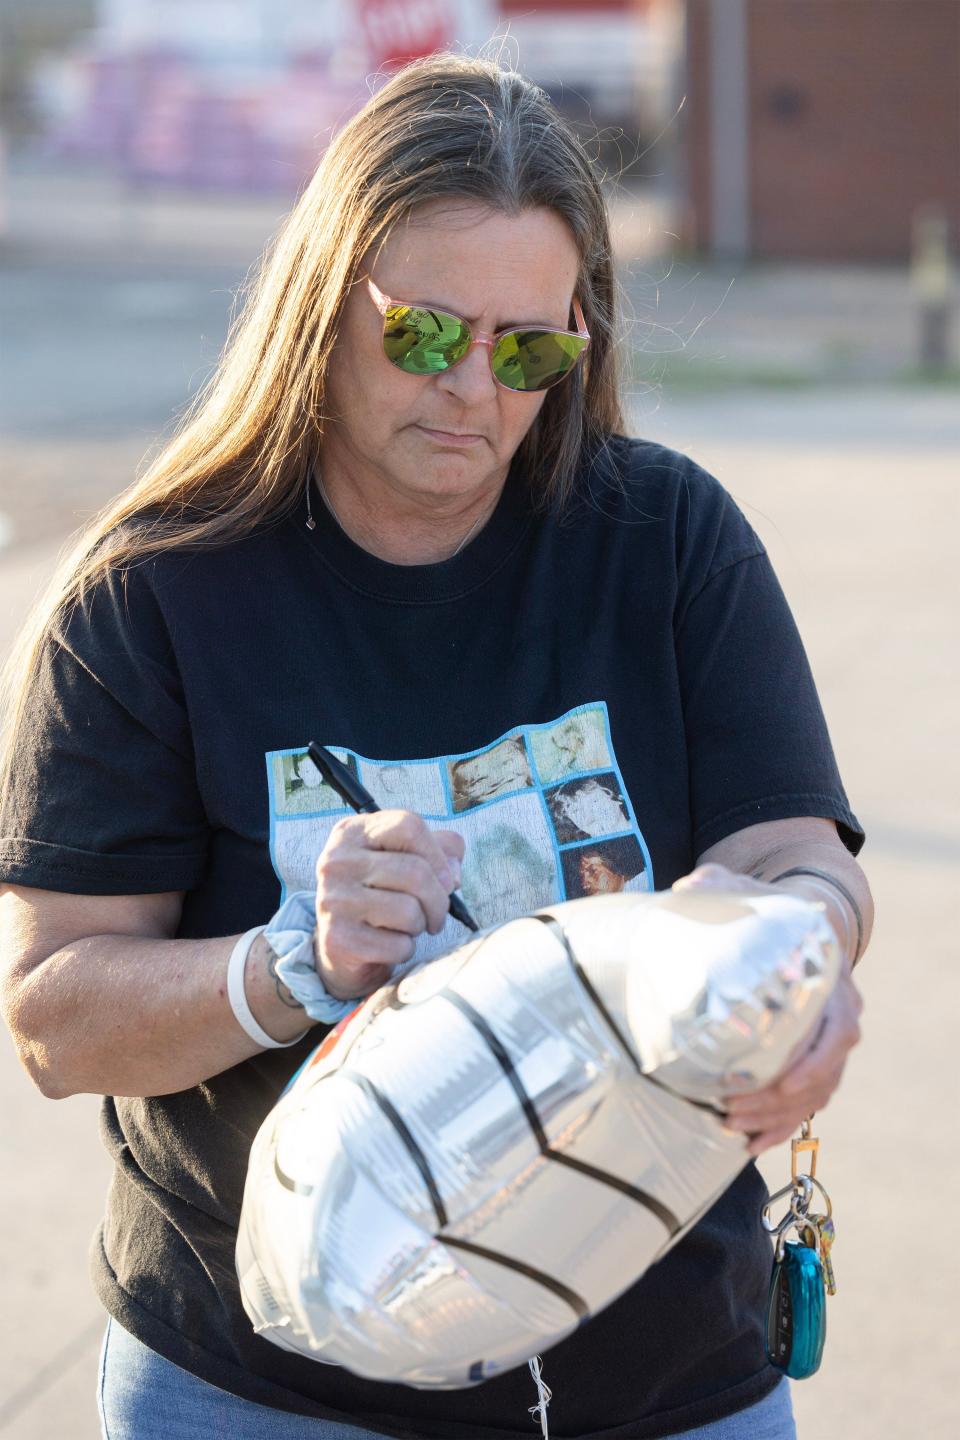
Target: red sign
401, 30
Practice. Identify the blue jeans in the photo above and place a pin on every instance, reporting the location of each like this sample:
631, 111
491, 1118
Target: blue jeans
144, 1397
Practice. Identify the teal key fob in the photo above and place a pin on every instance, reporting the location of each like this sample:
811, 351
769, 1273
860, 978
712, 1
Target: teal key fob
796, 1312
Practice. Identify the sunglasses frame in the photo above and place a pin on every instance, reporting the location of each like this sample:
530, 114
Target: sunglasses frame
484, 337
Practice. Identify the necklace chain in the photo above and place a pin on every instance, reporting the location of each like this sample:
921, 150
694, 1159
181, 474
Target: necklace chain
311, 523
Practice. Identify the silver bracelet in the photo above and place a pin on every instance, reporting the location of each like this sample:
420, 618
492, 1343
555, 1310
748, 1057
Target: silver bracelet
237, 995
837, 887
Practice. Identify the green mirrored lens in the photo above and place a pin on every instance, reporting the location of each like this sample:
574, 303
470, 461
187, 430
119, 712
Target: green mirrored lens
535, 359
423, 342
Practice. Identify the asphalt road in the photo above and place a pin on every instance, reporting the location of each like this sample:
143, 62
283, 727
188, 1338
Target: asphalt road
855, 492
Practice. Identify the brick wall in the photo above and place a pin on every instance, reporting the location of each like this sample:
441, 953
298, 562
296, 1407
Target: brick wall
854, 122
695, 224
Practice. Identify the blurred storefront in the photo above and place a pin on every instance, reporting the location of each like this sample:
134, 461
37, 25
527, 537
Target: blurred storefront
821, 129
232, 93
243, 94
614, 60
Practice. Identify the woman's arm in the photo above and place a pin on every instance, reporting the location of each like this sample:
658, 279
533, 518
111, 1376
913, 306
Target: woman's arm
750, 860
771, 850
99, 999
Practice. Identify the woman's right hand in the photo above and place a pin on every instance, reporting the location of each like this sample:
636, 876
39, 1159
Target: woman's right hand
382, 880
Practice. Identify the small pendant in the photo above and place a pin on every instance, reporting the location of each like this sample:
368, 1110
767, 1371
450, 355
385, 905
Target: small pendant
311, 524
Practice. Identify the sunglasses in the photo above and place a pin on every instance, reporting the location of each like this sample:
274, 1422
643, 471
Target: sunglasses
422, 341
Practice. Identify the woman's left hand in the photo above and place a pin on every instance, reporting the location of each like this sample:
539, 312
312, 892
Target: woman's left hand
812, 1074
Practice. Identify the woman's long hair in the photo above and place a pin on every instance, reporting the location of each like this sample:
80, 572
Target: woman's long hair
448, 126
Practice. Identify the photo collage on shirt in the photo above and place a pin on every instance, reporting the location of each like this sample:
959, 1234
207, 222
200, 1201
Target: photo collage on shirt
543, 811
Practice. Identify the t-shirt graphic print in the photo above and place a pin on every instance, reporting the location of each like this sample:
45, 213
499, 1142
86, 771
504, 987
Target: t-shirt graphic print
543, 810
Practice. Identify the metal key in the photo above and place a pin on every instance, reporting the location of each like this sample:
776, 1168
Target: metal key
809, 1234
819, 1233
825, 1226
828, 1234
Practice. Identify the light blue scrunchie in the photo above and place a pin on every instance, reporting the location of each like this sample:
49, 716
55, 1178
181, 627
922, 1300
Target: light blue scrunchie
290, 937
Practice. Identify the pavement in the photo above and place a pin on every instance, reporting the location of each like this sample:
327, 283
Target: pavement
853, 487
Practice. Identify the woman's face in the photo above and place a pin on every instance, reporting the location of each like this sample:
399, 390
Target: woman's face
599, 878
495, 271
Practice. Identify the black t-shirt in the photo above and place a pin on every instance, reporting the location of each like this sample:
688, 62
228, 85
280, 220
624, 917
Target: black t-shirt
591, 699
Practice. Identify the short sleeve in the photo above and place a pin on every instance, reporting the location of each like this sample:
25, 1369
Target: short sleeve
757, 741
102, 798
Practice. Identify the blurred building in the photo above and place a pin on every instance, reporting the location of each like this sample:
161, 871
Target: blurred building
818, 129
30, 29
246, 93
232, 94
614, 61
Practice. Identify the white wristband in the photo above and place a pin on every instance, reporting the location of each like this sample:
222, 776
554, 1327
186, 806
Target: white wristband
237, 995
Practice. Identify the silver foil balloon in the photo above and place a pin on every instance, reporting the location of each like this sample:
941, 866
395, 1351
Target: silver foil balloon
501, 1141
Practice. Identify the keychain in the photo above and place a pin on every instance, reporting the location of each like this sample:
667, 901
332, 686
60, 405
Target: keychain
802, 1269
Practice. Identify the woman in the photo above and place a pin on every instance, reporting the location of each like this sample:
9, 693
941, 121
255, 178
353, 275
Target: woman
402, 521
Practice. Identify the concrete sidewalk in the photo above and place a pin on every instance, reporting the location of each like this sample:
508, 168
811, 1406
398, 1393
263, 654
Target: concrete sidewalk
55, 1179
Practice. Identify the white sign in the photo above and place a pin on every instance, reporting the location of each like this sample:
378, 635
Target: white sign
262, 28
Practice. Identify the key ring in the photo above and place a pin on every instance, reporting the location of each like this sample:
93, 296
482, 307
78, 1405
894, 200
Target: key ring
819, 1185
801, 1192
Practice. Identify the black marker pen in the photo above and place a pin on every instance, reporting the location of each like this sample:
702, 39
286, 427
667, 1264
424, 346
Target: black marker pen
348, 787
